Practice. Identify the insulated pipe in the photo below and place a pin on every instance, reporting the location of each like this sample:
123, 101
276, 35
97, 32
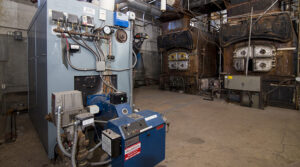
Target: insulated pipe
60, 145
163, 5
100, 163
96, 146
195, 4
141, 6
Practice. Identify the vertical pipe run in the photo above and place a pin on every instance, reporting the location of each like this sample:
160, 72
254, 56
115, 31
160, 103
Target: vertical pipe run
163, 5
298, 60
130, 64
249, 44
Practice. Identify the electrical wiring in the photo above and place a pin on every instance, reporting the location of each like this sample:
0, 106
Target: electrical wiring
69, 58
264, 12
96, 54
99, 50
83, 69
126, 69
111, 86
83, 45
76, 68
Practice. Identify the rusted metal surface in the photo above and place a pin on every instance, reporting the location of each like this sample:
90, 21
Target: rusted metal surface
179, 39
284, 63
274, 29
268, 59
205, 6
240, 7
274, 26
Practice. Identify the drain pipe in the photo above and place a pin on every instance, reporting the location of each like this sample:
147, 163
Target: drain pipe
139, 5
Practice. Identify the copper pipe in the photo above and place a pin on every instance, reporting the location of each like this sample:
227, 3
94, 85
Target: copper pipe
110, 47
59, 30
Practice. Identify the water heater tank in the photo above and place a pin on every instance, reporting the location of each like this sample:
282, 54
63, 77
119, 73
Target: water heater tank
107, 4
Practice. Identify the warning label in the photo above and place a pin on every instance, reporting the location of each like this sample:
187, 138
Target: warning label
132, 151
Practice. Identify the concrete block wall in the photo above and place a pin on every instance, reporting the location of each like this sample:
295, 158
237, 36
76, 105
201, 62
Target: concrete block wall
149, 51
15, 15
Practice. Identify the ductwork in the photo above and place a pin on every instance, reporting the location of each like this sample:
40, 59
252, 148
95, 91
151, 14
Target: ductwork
139, 5
196, 4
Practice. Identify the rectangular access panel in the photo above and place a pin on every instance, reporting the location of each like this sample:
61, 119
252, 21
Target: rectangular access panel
244, 83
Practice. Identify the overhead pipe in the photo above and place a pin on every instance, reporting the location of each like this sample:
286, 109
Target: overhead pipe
163, 5
195, 4
139, 5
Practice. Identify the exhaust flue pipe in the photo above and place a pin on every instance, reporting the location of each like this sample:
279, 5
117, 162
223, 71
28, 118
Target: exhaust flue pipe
139, 5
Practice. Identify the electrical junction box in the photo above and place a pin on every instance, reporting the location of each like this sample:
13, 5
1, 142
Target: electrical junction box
87, 21
74, 48
118, 98
70, 103
72, 19
121, 19
100, 66
86, 119
111, 143
58, 16
131, 15
243, 83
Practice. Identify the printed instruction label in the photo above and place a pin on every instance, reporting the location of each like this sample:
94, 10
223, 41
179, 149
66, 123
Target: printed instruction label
132, 151
89, 11
87, 122
106, 144
151, 117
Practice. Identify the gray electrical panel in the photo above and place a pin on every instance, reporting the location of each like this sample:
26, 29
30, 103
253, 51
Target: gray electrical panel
48, 71
243, 83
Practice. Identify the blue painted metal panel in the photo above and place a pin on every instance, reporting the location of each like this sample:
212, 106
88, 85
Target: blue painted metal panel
38, 74
152, 141
107, 110
120, 22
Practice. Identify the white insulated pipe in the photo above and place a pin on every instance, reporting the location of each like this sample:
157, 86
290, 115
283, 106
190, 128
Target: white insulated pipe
163, 5
107, 4
139, 5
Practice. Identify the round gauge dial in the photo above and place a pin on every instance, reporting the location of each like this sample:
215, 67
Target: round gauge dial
107, 30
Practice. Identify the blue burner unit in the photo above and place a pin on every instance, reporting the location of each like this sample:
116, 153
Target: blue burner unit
142, 137
131, 139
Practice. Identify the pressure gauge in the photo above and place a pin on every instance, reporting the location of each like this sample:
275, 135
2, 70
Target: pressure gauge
107, 30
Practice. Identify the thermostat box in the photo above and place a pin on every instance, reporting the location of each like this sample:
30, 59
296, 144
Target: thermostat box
121, 19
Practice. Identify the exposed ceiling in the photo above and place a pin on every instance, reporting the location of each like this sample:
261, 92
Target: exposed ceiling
206, 6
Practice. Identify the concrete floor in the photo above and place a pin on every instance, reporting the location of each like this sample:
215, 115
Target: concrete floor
202, 134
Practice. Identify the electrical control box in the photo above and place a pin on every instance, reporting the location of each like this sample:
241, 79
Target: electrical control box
111, 143
131, 15
118, 98
86, 119
70, 103
87, 21
72, 19
244, 83
121, 19
58, 16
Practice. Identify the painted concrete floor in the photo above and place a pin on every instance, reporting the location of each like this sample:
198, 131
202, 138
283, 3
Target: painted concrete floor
201, 134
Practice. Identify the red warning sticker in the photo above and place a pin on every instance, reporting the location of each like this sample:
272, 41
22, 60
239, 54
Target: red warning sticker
132, 151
